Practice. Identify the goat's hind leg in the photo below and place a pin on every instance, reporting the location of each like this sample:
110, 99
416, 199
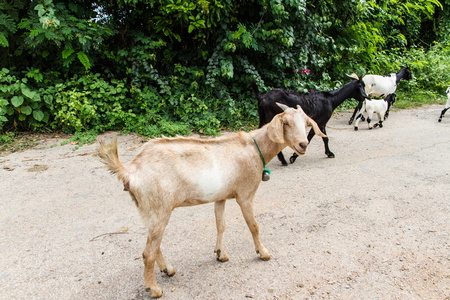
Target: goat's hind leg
246, 205
219, 209
443, 113
380, 121
163, 265
152, 253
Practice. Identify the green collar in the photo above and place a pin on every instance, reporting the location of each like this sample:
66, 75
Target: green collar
266, 172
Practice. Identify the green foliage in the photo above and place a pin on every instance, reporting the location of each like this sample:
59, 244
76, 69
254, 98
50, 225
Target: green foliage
431, 68
172, 67
431, 76
20, 104
6, 138
72, 110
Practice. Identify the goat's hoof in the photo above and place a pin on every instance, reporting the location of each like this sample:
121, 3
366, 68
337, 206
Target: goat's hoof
264, 254
370, 128
222, 256
330, 155
350, 122
439, 120
170, 271
284, 164
356, 128
292, 159
155, 292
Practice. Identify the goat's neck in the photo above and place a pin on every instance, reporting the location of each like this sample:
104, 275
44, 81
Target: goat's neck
268, 148
399, 75
343, 93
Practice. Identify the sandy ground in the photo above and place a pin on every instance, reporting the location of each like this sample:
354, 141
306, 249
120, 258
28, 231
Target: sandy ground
372, 223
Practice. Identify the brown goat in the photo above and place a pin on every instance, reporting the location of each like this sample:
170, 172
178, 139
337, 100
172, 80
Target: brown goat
174, 172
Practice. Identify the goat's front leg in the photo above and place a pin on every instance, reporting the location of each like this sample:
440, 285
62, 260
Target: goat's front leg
246, 205
281, 158
325, 142
151, 253
369, 119
294, 156
357, 108
219, 210
358, 118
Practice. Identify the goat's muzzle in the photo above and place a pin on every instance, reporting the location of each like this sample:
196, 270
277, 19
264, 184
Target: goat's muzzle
301, 148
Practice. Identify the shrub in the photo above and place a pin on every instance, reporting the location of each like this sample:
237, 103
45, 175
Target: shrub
21, 106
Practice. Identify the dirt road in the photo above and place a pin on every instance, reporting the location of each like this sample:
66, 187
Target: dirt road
372, 223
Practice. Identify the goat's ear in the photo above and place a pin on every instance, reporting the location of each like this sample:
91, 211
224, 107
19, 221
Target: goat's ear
315, 127
275, 129
282, 106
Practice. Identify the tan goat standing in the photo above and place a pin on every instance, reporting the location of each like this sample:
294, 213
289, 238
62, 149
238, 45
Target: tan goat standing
174, 172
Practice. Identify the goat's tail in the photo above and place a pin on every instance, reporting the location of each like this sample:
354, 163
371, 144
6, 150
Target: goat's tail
256, 90
108, 154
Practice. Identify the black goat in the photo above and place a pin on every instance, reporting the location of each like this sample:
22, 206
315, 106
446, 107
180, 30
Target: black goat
381, 86
317, 105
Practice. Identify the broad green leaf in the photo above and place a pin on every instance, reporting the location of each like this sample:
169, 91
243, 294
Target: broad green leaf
38, 115
28, 93
26, 110
48, 99
17, 101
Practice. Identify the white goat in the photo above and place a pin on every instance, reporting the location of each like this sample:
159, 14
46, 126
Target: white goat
174, 172
380, 107
447, 105
382, 85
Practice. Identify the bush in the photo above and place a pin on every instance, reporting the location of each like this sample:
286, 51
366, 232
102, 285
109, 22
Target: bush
21, 106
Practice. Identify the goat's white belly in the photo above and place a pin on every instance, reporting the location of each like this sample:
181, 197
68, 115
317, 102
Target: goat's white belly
209, 184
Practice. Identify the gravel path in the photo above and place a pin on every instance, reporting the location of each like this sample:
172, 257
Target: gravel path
372, 223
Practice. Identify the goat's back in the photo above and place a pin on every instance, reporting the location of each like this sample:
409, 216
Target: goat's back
379, 85
192, 171
311, 103
375, 105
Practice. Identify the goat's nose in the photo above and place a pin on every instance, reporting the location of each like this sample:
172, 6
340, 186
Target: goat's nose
303, 145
